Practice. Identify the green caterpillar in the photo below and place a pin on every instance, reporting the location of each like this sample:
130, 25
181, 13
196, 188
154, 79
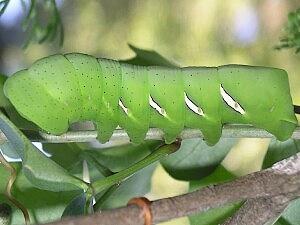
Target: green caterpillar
61, 89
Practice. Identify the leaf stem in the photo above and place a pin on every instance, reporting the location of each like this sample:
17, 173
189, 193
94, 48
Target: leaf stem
102, 169
9, 186
159, 153
105, 196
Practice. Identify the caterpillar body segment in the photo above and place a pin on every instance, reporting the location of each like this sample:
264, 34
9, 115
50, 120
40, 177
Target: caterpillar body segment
108, 119
87, 74
206, 98
264, 96
134, 107
62, 89
166, 90
36, 104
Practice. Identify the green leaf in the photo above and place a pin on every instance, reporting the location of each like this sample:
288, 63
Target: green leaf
219, 175
40, 170
280, 150
46, 174
214, 216
94, 163
195, 159
76, 206
9, 150
43, 206
121, 157
148, 58
291, 215
46, 29
291, 38
60, 151
159, 153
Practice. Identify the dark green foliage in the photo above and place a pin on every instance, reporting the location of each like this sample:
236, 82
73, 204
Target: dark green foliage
195, 160
40, 30
3, 5
76, 206
215, 216
291, 38
280, 150
147, 58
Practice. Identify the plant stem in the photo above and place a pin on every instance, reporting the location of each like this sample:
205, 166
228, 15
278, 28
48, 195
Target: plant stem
105, 196
161, 152
102, 169
9, 186
282, 179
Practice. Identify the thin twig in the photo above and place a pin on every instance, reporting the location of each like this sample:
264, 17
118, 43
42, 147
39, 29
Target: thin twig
229, 131
9, 186
282, 179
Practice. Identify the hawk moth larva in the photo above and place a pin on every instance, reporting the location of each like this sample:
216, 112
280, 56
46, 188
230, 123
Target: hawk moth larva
61, 89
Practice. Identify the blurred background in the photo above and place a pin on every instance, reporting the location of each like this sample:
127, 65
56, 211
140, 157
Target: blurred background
190, 32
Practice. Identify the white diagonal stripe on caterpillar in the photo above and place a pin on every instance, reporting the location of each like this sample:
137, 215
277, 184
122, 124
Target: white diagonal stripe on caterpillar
196, 109
230, 101
155, 106
123, 107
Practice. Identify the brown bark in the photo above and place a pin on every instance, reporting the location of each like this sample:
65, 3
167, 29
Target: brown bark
260, 211
272, 186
